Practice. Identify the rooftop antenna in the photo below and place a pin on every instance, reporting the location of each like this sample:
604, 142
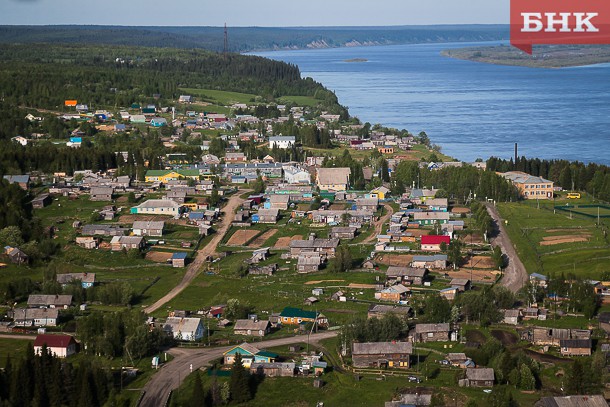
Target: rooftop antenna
226, 43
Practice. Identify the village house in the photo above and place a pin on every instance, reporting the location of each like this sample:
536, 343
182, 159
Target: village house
432, 333
184, 329
252, 327
235, 158
119, 243
333, 179
339, 232
530, 313
269, 216
512, 316
573, 401
575, 347
49, 301
479, 377
406, 275
87, 242
430, 262
15, 255
379, 310
158, 207
459, 360
430, 218
148, 228
462, 284
259, 255
297, 316
34, 316
280, 202
437, 204
395, 293
366, 204
22, 180
337, 216
101, 194
552, 336
432, 243
538, 280
325, 247
604, 321
176, 195
178, 259
87, 280
309, 263
529, 186
450, 293
382, 354
274, 369
41, 201
103, 230
60, 346
249, 354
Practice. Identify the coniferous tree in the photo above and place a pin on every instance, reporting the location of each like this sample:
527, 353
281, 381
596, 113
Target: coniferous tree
239, 383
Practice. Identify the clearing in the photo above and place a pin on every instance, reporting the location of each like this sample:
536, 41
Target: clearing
480, 262
553, 240
260, 240
241, 237
158, 257
284, 242
401, 260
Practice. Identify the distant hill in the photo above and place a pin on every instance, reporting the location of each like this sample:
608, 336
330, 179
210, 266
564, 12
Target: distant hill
243, 39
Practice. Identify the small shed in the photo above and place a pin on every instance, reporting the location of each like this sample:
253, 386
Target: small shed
179, 259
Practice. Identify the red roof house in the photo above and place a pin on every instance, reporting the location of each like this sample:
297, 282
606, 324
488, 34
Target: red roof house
432, 243
60, 346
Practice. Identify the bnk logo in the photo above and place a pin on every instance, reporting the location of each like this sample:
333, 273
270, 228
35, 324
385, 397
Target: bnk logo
559, 22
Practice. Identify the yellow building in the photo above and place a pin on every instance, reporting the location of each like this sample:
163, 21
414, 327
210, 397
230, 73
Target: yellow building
333, 179
169, 175
530, 187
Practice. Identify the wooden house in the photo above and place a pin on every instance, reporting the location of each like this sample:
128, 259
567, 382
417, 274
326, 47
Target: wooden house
395, 293
432, 333
297, 316
178, 259
479, 377
251, 327
575, 347
249, 354
430, 262
49, 301
462, 284
406, 275
184, 329
512, 316
382, 354
343, 232
119, 243
379, 310
148, 228
274, 369
34, 316
101, 194
309, 262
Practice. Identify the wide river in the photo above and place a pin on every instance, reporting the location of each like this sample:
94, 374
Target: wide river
470, 109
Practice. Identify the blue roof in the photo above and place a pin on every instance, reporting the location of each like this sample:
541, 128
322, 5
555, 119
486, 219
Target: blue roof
538, 276
19, 179
76, 139
179, 256
196, 215
430, 258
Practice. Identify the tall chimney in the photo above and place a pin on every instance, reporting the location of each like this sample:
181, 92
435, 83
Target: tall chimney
516, 155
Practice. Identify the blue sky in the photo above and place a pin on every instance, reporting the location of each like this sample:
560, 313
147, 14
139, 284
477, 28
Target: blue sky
266, 13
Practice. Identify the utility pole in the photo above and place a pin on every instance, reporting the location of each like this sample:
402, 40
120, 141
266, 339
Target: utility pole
226, 41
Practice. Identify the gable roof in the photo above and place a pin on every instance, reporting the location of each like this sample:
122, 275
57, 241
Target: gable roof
175, 324
573, 401
330, 176
49, 299
54, 341
248, 324
378, 348
290, 312
424, 328
249, 349
435, 239
69, 277
148, 224
484, 373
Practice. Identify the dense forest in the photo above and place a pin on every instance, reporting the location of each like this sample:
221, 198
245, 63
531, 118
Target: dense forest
573, 176
242, 39
44, 76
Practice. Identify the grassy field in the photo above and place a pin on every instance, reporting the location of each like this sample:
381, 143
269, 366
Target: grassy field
219, 97
550, 241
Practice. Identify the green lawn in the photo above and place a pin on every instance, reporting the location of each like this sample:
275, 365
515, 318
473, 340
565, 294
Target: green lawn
220, 97
528, 226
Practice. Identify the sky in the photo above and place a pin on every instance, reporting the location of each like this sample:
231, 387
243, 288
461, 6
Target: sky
262, 13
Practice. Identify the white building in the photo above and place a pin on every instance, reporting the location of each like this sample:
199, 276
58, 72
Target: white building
282, 142
184, 329
296, 175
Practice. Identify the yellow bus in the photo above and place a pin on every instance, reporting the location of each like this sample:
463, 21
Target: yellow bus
573, 195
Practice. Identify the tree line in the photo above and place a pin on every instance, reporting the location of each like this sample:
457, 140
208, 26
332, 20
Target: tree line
570, 175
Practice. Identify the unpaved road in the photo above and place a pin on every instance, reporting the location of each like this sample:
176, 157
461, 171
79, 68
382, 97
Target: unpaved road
379, 224
515, 274
171, 375
195, 267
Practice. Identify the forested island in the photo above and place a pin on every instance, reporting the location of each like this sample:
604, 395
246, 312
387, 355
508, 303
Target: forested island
545, 56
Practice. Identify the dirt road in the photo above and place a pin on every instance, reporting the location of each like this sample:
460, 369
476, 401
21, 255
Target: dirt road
379, 224
515, 274
171, 375
195, 267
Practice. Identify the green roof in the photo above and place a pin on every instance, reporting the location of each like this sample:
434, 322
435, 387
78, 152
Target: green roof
188, 173
157, 173
290, 312
267, 354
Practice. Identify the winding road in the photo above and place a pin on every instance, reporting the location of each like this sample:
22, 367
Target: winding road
171, 375
515, 274
209, 249
378, 227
